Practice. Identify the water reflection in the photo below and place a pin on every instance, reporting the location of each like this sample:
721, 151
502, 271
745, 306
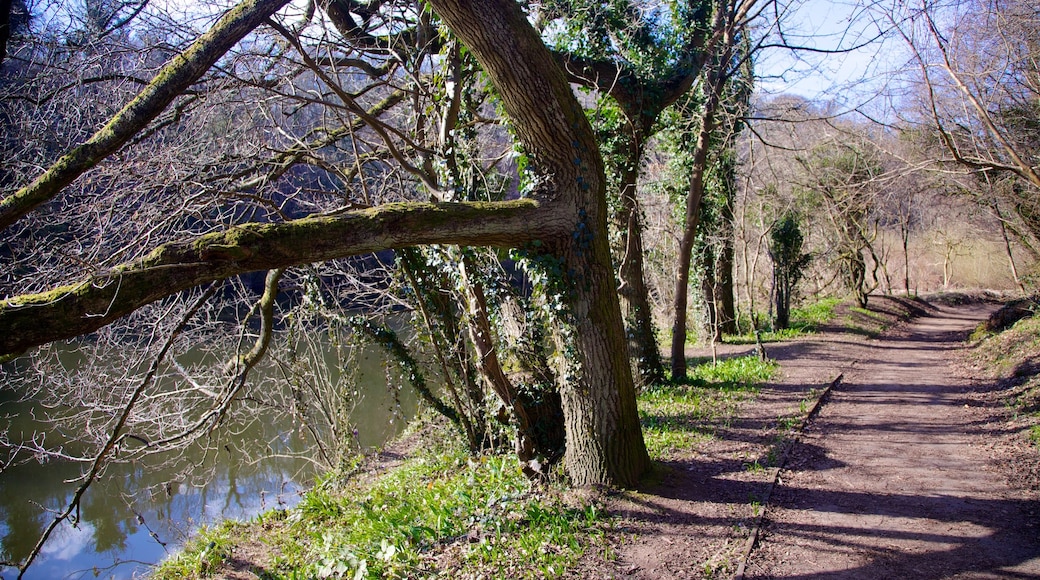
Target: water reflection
138, 512
134, 515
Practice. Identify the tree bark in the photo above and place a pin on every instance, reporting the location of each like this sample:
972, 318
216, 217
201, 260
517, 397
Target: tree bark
541, 434
68, 311
635, 300
713, 82
604, 438
694, 195
726, 297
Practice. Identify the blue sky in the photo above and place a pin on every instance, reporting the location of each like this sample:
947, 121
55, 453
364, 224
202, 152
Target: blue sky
850, 77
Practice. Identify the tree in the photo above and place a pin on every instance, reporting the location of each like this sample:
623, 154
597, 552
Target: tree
729, 23
14, 20
640, 62
789, 263
976, 75
715, 248
562, 218
840, 179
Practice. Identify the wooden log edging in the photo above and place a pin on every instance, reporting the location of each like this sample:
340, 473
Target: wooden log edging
789, 444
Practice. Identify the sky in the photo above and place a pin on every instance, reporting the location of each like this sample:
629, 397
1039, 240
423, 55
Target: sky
850, 78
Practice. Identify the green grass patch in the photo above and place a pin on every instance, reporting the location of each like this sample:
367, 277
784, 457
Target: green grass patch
210, 547
435, 516
677, 416
735, 373
804, 320
1012, 356
1008, 352
446, 515
812, 316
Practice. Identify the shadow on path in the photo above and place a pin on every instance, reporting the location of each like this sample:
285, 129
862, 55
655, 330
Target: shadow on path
891, 481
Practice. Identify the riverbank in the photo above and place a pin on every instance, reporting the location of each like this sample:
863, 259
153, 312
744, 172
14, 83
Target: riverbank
425, 508
716, 446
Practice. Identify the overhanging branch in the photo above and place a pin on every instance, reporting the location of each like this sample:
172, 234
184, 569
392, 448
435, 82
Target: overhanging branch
31, 320
174, 78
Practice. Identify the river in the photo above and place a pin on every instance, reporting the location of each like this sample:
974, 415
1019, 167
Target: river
139, 512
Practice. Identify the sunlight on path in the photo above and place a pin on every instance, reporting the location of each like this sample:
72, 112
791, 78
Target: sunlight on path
889, 481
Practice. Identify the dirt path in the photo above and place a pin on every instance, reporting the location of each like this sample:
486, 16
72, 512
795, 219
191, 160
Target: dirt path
890, 480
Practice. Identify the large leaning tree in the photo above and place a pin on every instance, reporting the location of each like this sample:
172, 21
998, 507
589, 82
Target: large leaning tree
563, 218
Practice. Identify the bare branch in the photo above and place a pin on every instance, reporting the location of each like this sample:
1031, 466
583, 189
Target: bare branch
80, 308
174, 78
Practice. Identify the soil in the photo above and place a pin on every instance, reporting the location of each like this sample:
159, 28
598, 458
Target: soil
895, 472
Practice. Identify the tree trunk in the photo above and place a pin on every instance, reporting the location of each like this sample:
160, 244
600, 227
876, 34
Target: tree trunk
726, 296
693, 212
905, 235
5, 28
635, 301
604, 438
1007, 248
540, 427
710, 293
782, 302
713, 85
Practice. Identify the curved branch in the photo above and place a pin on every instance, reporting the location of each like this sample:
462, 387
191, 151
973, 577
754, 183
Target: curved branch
1021, 167
116, 436
31, 320
174, 78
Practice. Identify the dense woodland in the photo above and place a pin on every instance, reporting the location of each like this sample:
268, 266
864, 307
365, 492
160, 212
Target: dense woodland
530, 207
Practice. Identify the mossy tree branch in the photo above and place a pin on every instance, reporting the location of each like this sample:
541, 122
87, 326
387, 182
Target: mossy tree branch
174, 78
76, 309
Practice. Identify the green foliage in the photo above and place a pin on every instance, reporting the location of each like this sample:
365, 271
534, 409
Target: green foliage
677, 416
441, 514
203, 555
648, 42
789, 263
811, 316
735, 373
551, 285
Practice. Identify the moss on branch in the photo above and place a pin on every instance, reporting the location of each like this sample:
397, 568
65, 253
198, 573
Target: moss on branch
75, 309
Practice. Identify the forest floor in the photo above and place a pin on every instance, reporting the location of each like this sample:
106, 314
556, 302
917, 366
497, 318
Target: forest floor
879, 452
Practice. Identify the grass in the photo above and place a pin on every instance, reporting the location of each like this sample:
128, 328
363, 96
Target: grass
812, 316
1013, 356
431, 517
1013, 350
210, 547
804, 320
446, 514
677, 416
